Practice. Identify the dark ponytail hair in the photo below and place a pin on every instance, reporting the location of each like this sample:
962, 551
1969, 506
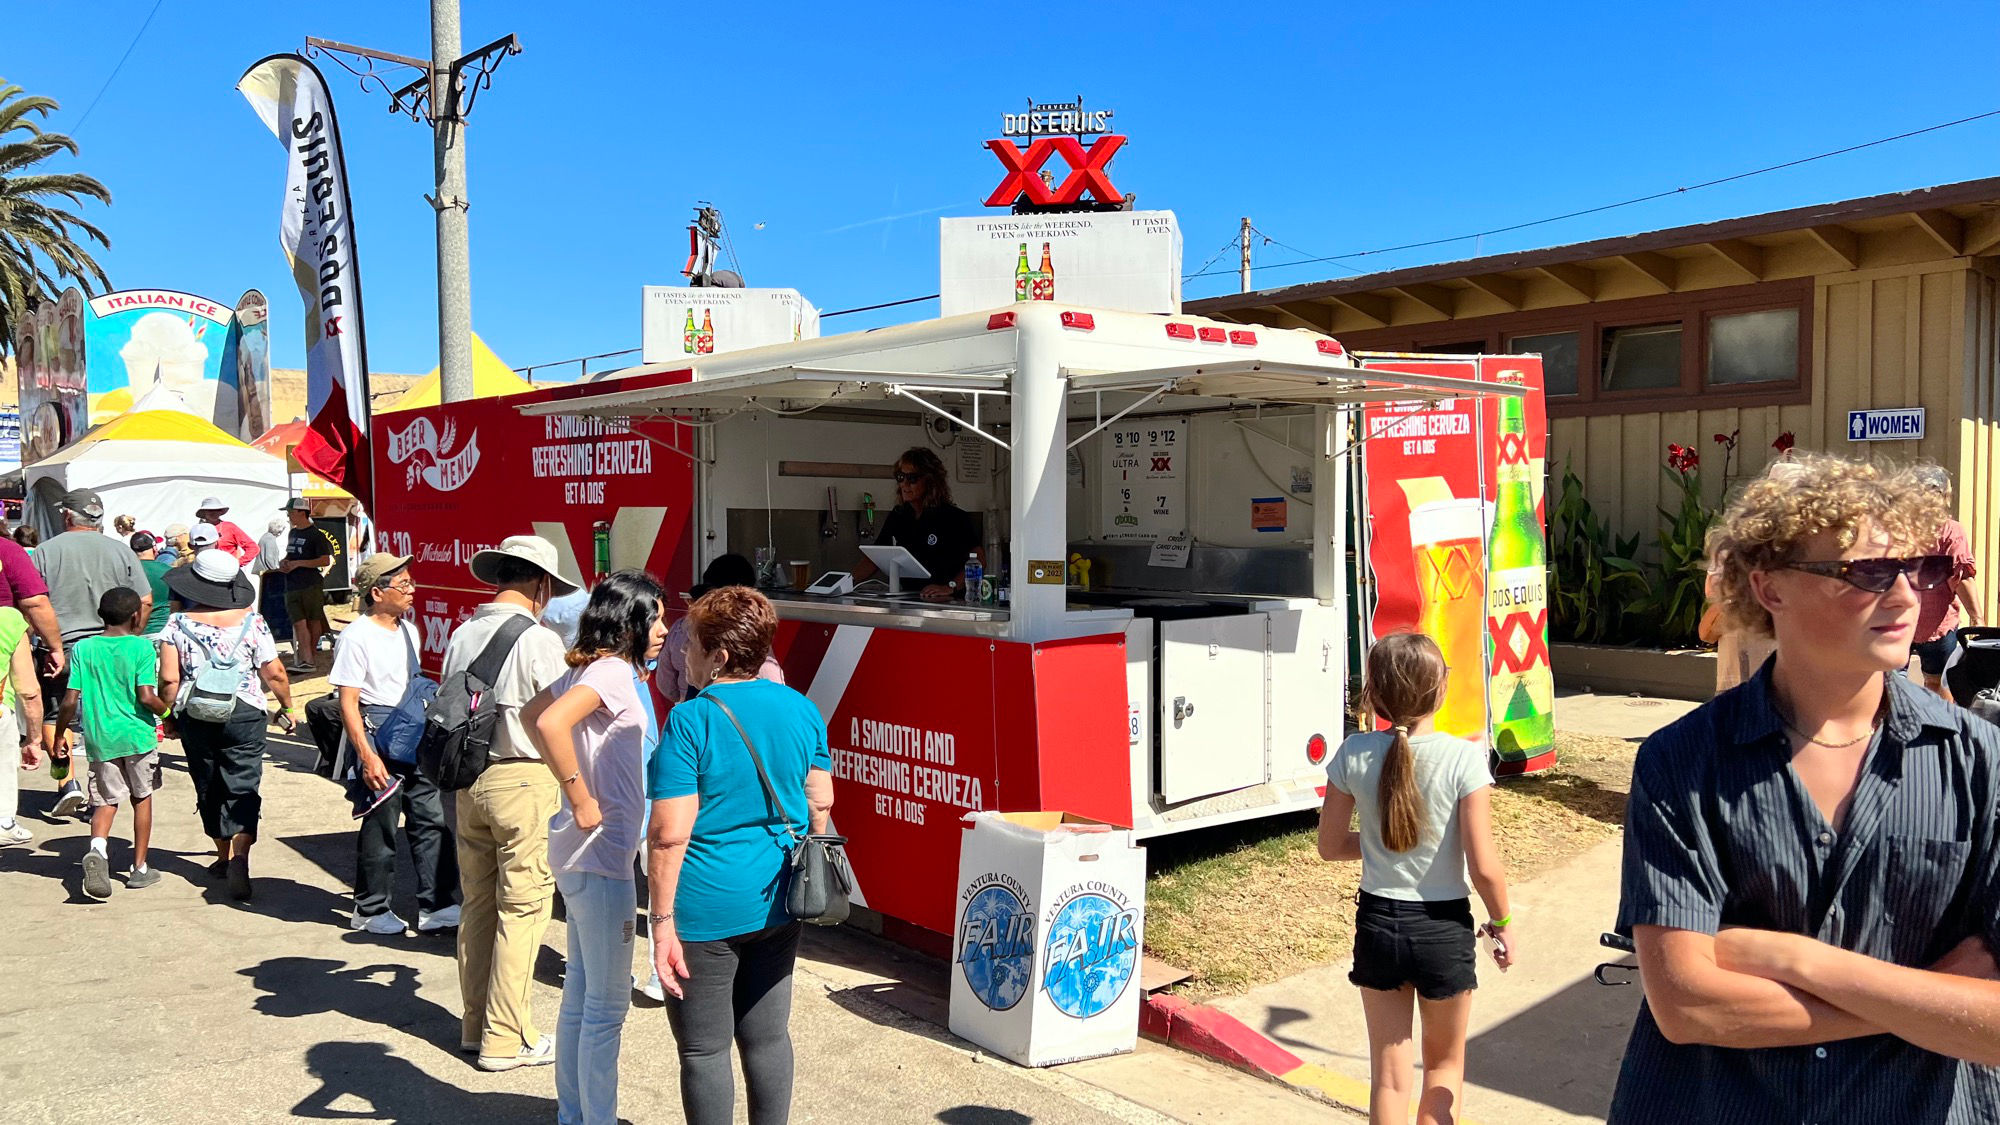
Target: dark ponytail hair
1405, 684
619, 619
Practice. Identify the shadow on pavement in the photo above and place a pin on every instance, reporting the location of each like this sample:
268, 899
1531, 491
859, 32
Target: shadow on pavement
1563, 1053
384, 994
982, 1115
60, 860
1280, 1018
354, 1075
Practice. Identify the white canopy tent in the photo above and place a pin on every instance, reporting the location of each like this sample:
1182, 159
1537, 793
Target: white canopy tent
155, 463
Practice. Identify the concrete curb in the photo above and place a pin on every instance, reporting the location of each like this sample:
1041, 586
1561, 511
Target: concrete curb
1215, 1034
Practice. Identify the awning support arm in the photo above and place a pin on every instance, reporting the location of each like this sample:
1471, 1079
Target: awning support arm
941, 412
1103, 421
680, 427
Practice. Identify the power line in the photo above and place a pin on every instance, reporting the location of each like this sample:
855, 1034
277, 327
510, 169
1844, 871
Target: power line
1621, 203
147, 22
883, 305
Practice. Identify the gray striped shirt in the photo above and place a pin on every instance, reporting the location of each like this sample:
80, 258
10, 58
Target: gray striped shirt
1720, 832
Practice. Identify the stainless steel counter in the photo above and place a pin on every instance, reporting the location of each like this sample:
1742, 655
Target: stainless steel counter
884, 612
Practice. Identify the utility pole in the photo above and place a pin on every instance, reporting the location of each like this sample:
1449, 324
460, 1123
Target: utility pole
460, 78
454, 248
1246, 253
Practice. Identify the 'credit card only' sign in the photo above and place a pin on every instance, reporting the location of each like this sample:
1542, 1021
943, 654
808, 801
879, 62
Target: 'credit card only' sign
1902, 423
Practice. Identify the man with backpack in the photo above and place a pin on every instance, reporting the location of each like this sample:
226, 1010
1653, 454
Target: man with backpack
498, 661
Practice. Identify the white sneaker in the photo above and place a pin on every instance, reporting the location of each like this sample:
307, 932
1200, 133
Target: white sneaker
650, 988
72, 800
16, 833
431, 921
541, 1054
385, 923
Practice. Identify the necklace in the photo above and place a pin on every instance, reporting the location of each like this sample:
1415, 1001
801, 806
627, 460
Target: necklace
1873, 726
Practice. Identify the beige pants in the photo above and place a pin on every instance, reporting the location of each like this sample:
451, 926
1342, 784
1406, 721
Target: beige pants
503, 866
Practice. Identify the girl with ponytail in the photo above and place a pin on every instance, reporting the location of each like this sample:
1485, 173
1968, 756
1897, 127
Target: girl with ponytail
1425, 842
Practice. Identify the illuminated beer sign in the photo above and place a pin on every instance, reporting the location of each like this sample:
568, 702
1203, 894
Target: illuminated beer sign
1057, 130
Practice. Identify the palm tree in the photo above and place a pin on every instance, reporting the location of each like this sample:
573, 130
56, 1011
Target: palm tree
33, 223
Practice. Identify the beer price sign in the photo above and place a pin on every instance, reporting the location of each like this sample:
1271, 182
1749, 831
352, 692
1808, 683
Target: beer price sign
1055, 131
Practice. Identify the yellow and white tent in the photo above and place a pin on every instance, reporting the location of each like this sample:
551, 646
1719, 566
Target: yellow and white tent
491, 378
155, 463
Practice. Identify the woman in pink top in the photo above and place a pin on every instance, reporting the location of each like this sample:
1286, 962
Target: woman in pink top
593, 727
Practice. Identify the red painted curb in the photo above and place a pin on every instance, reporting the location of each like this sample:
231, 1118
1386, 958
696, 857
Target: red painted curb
1215, 1034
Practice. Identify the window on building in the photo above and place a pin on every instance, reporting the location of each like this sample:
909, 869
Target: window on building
1559, 356
1641, 357
1753, 347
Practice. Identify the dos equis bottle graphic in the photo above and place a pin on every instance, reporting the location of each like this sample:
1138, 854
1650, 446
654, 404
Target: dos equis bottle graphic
1522, 689
1024, 278
1045, 278
704, 340
688, 333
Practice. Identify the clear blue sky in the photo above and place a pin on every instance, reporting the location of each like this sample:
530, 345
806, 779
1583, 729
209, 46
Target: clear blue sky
1334, 130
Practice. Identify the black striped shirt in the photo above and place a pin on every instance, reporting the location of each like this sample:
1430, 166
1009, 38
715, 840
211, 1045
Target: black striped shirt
1720, 832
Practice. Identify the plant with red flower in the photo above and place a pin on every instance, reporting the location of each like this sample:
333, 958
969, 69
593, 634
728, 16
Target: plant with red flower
1784, 443
1682, 459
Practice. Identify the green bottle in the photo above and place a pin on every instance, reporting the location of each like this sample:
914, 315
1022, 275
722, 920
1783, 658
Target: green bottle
1521, 690
1023, 275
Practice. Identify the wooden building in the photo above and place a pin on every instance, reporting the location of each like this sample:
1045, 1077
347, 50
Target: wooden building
1767, 324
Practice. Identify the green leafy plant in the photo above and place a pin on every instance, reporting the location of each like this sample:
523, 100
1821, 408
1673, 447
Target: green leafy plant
1595, 575
1672, 607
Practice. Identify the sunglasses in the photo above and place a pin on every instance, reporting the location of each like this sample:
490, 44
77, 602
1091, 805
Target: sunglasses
1926, 572
907, 478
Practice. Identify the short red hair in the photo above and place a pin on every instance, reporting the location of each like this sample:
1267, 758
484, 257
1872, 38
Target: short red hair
738, 620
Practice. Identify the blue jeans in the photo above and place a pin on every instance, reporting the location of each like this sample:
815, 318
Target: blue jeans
597, 991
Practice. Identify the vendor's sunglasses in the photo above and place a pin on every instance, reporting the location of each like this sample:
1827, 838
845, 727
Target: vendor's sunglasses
1926, 572
907, 478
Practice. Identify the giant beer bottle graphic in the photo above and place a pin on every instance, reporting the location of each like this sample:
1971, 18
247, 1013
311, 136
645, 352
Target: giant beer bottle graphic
1522, 689
1045, 278
1023, 278
688, 333
704, 340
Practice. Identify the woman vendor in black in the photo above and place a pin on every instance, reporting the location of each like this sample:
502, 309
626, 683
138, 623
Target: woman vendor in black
928, 525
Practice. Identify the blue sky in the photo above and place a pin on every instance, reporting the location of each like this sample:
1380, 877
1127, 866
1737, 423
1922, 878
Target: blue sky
1335, 130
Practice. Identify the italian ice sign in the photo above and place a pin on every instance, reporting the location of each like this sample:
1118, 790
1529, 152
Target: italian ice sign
139, 338
1050, 925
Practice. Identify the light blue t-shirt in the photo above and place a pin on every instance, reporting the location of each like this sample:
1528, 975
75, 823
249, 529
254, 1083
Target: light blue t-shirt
1447, 770
730, 881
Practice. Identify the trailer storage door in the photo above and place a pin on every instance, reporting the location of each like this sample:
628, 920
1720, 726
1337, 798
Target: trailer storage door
1211, 706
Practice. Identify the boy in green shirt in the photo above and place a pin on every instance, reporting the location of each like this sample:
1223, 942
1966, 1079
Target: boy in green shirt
113, 680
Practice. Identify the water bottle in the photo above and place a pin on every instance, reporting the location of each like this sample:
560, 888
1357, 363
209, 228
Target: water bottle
969, 581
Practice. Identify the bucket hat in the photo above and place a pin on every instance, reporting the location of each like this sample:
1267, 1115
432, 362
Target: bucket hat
214, 580
531, 549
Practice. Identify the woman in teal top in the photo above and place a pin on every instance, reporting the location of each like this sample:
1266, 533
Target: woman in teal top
722, 941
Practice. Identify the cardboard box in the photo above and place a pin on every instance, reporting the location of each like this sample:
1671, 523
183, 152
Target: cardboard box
682, 322
1049, 927
1128, 260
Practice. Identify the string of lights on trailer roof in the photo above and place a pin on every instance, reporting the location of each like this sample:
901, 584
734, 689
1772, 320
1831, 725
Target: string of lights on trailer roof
1349, 257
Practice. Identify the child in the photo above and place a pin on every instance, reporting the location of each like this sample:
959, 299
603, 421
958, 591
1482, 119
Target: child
113, 679
1424, 818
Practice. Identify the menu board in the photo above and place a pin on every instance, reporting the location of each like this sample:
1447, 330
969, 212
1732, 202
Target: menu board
1144, 491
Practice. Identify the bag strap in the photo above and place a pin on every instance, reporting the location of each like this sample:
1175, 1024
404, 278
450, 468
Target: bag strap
756, 759
486, 667
409, 642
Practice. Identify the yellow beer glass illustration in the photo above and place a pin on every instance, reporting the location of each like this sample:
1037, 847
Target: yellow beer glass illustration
1448, 539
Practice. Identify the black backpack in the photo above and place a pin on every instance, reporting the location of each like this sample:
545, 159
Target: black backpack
458, 731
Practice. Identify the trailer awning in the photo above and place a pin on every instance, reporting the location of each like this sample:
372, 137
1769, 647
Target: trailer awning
1252, 380
787, 389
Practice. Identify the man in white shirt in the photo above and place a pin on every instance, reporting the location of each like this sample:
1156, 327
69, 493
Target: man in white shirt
503, 817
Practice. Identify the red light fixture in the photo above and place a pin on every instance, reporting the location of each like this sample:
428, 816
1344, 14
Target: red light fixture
1180, 331
1330, 347
1000, 320
1316, 749
1211, 335
1082, 320
1247, 339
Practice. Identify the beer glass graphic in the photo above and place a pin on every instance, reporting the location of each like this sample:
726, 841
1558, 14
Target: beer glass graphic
1448, 540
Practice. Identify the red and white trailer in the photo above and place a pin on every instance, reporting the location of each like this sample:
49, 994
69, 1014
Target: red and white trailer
1202, 678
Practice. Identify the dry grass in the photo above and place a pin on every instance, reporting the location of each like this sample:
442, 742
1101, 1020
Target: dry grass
1246, 904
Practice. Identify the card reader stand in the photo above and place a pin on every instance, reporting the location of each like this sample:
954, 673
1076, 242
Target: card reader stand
833, 583
896, 564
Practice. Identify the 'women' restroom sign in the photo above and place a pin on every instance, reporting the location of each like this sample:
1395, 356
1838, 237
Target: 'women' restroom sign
1896, 423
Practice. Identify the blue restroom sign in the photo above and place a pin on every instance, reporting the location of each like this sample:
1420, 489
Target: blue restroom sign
996, 941
1899, 423
1092, 951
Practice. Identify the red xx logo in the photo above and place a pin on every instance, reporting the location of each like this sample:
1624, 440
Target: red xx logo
1531, 652
1163, 464
1089, 170
1513, 449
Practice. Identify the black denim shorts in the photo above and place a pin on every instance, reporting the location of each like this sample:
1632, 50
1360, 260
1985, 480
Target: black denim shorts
1426, 944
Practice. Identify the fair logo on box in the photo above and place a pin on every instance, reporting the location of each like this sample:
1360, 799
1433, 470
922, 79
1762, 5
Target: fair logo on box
1093, 949
997, 941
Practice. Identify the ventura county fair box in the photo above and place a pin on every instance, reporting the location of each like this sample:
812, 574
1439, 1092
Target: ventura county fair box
683, 322
1129, 260
1050, 922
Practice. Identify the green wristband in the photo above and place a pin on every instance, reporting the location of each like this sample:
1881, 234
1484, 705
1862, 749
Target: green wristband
1501, 923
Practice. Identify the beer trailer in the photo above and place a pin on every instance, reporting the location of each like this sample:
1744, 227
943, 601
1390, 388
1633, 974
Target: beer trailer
1182, 519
